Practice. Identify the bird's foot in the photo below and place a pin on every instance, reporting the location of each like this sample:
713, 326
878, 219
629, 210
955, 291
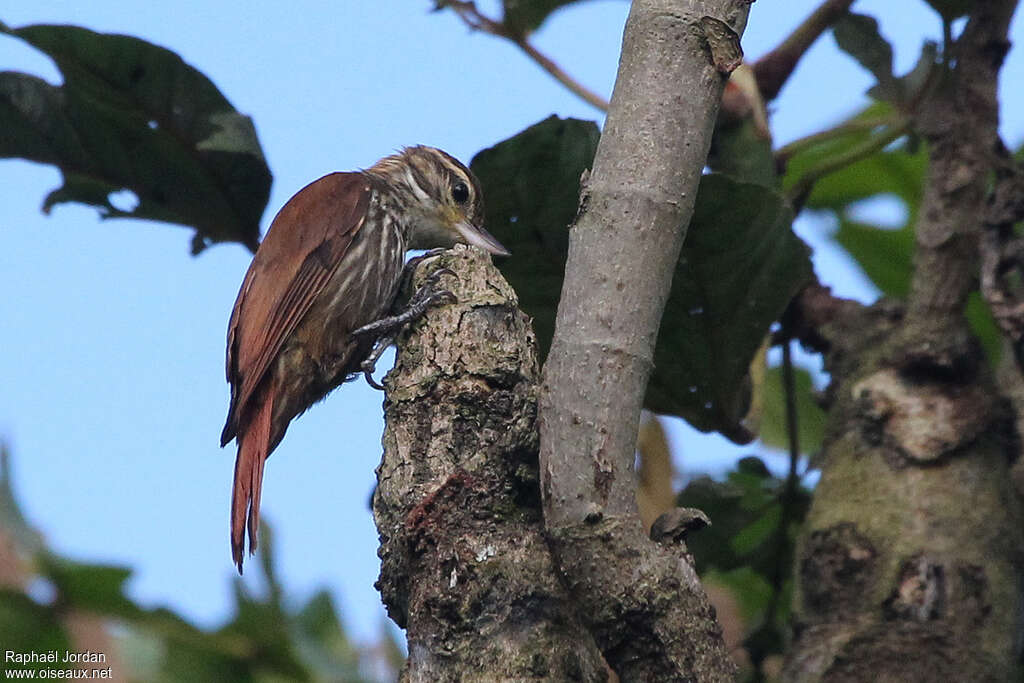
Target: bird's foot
415, 261
385, 330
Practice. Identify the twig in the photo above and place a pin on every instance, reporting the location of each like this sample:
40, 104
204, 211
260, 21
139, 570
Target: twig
787, 151
798, 193
577, 88
811, 315
792, 419
775, 68
467, 11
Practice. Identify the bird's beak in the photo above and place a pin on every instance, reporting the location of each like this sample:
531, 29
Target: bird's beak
479, 237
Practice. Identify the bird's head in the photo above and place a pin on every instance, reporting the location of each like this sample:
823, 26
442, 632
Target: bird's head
441, 196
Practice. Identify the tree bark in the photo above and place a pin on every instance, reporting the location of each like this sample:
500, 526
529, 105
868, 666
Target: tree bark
465, 566
909, 566
642, 601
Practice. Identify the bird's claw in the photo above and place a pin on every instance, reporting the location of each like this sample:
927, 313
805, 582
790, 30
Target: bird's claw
438, 298
424, 292
369, 366
368, 370
386, 328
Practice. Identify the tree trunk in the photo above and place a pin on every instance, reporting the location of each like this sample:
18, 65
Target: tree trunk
465, 566
909, 566
642, 601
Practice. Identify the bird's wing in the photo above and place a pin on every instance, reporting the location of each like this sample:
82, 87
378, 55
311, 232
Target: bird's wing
303, 247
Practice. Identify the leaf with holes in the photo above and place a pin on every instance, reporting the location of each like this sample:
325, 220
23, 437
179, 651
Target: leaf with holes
134, 116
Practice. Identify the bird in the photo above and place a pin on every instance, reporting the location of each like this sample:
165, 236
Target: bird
330, 268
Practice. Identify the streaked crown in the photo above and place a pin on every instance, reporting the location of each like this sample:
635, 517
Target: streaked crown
439, 196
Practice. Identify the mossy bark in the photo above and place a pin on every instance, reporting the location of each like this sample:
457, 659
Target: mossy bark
909, 568
465, 568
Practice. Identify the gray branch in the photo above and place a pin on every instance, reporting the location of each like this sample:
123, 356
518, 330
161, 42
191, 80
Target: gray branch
465, 567
909, 563
642, 601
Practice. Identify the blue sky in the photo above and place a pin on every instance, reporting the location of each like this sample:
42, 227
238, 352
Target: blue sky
113, 393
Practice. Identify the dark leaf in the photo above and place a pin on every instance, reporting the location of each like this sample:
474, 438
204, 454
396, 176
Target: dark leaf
745, 505
523, 16
741, 150
951, 9
858, 36
740, 266
134, 116
915, 81
89, 587
26, 627
531, 186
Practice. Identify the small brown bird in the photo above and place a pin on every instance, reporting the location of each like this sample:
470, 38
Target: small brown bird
331, 263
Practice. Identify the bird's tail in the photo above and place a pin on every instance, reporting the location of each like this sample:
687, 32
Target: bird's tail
253, 449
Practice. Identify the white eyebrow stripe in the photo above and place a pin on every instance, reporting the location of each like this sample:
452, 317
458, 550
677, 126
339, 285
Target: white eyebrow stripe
420, 193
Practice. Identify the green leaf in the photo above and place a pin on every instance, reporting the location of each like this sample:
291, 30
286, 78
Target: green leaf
720, 501
758, 532
321, 640
858, 36
26, 626
751, 589
884, 255
740, 266
895, 171
810, 417
12, 521
264, 621
134, 116
745, 506
89, 587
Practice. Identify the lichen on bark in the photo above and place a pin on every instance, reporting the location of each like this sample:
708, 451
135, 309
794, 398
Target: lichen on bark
465, 566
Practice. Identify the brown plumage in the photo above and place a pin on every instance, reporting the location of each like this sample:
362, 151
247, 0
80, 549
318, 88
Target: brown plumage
331, 262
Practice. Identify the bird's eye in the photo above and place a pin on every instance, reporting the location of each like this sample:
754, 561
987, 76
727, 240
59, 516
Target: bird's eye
460, 192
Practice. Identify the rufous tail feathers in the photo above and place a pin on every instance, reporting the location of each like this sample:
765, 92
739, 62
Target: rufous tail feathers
253, 444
